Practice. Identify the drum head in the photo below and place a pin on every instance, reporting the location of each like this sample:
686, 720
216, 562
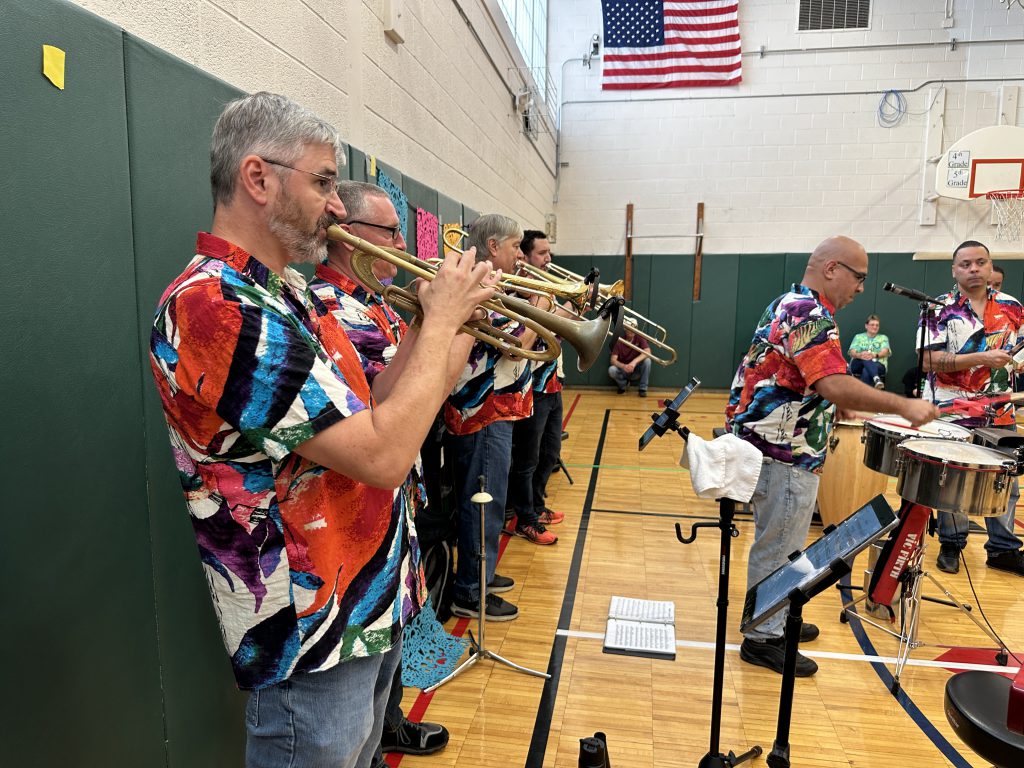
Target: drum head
962, 454
940, 430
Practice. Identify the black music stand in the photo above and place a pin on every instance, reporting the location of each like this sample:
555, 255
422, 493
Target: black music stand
808, 573
668, 421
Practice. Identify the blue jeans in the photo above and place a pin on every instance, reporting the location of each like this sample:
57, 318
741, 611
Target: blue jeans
393, 715
953, 527
329, 719
866, 370
532, 442
640, 374
783, 503
487, 452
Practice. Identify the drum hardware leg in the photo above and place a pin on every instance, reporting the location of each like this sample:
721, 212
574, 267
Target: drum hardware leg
477, 649
968, 611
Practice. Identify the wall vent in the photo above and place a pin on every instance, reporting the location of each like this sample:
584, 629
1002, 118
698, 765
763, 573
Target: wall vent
834, 14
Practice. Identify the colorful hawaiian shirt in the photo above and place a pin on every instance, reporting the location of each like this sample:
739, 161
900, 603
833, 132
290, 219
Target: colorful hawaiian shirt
372, 325
957, 328
773, 404
307, 568
375, 330
492, 387
873, 344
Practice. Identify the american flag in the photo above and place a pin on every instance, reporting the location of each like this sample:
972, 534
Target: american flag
670, 43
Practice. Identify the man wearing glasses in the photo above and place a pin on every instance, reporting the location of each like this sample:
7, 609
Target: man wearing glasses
288, 466
376, 330
966, 355
783, 402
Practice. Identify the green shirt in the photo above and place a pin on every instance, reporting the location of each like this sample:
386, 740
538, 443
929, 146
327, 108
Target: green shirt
864, 343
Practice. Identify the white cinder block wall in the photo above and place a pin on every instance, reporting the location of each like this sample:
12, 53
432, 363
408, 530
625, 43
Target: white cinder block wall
433, 107
793, 154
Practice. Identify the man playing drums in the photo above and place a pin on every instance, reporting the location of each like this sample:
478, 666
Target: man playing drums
966, 355
783, 401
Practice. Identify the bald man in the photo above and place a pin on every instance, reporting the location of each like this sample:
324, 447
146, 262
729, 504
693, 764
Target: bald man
783, 401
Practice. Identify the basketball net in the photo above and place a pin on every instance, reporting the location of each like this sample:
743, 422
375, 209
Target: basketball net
1008, 206
1010, 3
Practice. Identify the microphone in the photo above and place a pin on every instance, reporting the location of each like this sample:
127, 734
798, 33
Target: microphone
910, 293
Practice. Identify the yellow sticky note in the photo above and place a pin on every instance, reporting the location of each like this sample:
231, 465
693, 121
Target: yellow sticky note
373, 166
53, 65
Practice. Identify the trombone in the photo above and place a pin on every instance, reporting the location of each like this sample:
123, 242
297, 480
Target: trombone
648, 330
586, 337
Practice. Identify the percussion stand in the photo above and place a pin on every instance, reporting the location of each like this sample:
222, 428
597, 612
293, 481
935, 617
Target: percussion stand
910, 609
477, 649
715, 758
668, 421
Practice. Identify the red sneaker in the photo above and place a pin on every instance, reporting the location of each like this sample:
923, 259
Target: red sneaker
538, 534
550, 517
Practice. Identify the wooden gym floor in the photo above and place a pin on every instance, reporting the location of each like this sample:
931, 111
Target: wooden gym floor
618, 538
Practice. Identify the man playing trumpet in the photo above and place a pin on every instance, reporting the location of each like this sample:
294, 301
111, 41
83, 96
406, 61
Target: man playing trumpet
288, 464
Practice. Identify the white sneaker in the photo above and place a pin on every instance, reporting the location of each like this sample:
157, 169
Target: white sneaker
879, 384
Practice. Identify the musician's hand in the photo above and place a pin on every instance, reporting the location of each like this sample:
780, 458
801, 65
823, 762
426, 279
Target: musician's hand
460, 285
995, 358
918, 412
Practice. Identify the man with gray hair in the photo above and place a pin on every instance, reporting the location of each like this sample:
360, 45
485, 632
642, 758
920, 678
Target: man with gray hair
493, 391
288, 465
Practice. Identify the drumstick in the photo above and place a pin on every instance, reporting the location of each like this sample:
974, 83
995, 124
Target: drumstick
977, 407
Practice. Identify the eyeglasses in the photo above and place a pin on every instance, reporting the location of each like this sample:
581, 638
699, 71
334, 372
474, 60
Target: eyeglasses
328, 181
861, 276
394, 231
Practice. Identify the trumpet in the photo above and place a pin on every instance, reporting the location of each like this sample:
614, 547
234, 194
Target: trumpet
650, 331
586, 337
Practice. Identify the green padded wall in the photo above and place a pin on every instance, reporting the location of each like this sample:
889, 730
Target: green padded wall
172, 108
81, 671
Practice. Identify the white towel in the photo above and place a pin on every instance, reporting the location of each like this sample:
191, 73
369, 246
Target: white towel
727, 467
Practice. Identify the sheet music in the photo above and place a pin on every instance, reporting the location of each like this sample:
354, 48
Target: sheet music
641, 627
640, 637
634, 609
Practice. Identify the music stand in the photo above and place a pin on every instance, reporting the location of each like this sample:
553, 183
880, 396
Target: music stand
808, 573
477, 649
668, 421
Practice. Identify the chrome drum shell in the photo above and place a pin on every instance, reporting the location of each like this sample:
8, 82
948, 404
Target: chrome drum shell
882, 436
954, 477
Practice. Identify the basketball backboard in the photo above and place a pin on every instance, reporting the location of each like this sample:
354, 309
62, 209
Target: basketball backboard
986, 160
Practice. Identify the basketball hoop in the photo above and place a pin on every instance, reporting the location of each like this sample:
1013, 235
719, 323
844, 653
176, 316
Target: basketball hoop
1008, 206
1010, 3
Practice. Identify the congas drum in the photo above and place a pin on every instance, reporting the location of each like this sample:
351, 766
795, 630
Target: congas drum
884, 432
955, 477
846, 483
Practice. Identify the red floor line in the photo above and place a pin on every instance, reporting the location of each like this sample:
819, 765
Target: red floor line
419, 707
572, 408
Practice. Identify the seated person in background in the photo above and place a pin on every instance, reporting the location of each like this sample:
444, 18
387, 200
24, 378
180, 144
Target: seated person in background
869, 354
628, 364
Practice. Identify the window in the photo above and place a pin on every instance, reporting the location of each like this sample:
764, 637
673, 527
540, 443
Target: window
528, 20
834, 14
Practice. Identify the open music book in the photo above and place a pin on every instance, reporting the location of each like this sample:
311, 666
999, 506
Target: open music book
641, 628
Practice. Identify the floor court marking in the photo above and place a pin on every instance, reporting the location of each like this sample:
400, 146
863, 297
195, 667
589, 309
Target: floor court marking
733, 647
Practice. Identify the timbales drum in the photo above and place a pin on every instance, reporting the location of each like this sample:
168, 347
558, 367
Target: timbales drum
884, 433
954, 477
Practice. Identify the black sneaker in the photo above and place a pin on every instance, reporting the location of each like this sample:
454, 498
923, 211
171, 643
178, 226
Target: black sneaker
622, 391
500, 584
642, 393
1011, 560
772, 655
414, 738
948, 560
808, 632
496, 610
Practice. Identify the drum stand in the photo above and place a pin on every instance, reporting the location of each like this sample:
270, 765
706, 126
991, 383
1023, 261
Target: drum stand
910, 599
477, 649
